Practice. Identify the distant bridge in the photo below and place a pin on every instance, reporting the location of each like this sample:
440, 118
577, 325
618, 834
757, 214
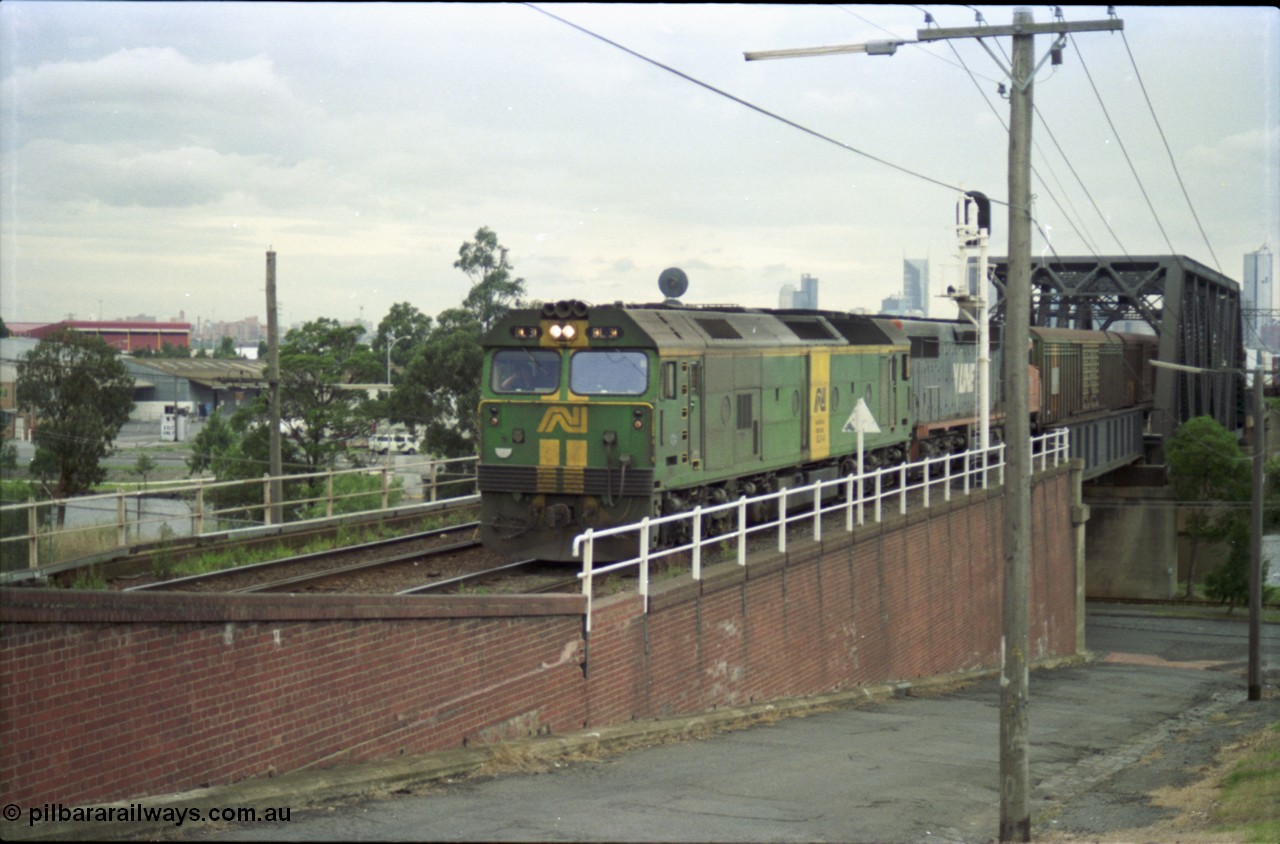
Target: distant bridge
1194, 310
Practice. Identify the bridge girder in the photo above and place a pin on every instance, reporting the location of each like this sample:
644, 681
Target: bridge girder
1194, 310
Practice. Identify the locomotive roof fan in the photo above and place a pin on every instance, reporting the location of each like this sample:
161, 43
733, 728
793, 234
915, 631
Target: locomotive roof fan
673, 283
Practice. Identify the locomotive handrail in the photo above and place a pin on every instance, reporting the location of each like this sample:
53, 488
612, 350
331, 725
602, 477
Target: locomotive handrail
976, 469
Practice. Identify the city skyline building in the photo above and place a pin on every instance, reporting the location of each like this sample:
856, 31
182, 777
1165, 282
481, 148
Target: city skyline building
1258, 299
914, 298
806, 297
915, 284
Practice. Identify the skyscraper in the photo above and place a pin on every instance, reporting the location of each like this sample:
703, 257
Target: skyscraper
806, 297
1258, 297
915, 284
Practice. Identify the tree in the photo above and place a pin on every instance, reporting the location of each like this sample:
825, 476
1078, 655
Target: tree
1207, 468
238, 448
80, 394
493, 290
144, 466
321, 409
319, 413
1229, 582
405, 329
226, 349
440, 388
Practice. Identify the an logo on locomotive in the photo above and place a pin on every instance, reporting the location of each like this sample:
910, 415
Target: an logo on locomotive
572, 419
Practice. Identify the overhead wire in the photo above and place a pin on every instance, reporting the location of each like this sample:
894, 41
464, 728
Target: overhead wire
746, 103
1172, 161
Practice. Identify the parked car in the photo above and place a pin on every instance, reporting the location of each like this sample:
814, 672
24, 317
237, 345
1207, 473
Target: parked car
398, 443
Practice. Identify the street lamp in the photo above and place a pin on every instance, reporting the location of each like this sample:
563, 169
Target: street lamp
390, 346
1255, 515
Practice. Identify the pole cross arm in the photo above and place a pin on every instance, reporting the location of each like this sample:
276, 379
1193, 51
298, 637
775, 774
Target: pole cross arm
1054, 28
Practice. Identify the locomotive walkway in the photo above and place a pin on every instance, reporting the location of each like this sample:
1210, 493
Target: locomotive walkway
1150, 708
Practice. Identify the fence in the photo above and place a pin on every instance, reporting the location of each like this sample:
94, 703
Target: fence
55, 530
859, 492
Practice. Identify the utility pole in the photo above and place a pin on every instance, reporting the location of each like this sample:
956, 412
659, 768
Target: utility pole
1015, 812
273, 515
1015, 809
1254, 691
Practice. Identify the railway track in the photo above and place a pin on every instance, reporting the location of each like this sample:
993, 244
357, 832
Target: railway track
374, 566
140, 566
524, 577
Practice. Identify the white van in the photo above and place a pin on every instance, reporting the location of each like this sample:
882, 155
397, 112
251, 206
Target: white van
397, 443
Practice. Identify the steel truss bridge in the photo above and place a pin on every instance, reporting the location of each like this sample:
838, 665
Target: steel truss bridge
1194, 310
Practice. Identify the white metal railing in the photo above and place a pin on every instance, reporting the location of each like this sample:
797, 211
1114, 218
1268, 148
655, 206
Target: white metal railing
859, 492
97, 524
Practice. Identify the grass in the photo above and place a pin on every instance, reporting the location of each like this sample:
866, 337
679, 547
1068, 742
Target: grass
1237, 801
1249, 802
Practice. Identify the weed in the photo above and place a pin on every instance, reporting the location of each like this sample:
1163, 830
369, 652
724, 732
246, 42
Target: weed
90, 577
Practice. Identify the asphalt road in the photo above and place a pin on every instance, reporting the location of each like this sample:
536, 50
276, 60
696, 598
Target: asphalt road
1151, 709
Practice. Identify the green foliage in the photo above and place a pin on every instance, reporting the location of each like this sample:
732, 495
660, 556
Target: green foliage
405, 329
165, 351
81, 394
144, 466
226, 349
493, 290
352, 493
1205, 462
90, 577
439, 389
1229, 582
1207, 466
321, 417
8, 457
239, 449
13, 555
1246, 805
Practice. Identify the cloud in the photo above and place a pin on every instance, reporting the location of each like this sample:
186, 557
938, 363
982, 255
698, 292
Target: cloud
156, 96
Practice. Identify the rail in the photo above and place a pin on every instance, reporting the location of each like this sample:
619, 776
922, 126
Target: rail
38, 533
860, 492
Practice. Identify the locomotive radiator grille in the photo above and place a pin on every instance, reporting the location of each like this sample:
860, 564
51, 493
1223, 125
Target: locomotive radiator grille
572, 481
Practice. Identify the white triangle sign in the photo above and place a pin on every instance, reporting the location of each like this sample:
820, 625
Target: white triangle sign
861, 421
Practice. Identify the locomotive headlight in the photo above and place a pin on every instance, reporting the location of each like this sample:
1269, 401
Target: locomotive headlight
564, 332
637, 421
493, 415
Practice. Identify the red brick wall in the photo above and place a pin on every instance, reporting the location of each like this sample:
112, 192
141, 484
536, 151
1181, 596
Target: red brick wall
899, 602
110, 695
106, 696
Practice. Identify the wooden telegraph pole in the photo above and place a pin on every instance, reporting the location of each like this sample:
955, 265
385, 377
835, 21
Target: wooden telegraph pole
1015, 814
274, 512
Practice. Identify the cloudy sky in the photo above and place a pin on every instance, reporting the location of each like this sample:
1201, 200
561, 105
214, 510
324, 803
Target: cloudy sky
151, 153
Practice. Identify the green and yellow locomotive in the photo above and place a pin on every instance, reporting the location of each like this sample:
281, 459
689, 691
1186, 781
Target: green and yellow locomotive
596, 416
